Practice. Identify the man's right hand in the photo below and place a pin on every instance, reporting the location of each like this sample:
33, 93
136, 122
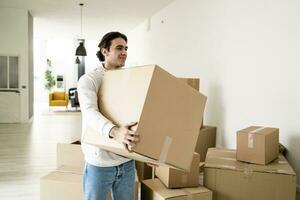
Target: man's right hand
124, 135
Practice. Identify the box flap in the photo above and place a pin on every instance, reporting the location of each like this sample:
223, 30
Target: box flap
92, 137
226, 159
156, 186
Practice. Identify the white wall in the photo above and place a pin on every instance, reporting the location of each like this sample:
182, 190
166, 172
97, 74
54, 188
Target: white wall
246, 55
14, 41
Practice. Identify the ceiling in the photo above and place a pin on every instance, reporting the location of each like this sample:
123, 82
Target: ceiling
61, 18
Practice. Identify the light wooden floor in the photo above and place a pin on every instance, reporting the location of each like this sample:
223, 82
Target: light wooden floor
28, 151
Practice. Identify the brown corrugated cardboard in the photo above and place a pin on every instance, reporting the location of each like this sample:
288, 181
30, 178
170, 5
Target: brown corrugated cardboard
231, 179
173, 178
153, 189
143, 171
193, 82
257, 144
169, 113
206, 139
69, 154
62, 185
65, 183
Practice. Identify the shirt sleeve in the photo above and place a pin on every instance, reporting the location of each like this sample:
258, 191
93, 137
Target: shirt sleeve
88, 99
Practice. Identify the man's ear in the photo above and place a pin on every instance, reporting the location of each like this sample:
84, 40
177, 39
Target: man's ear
104, 51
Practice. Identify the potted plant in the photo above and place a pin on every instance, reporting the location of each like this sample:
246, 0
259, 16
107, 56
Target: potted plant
49, 78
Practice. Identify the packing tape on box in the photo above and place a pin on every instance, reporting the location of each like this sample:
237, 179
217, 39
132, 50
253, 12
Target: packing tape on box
188, 194
282, 162
165, 149
251, 136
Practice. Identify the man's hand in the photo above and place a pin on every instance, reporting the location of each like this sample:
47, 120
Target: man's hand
124, 135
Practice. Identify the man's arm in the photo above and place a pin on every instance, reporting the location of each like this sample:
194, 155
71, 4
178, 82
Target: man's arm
87, 94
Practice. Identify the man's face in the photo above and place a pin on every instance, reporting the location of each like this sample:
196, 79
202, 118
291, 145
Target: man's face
116, 56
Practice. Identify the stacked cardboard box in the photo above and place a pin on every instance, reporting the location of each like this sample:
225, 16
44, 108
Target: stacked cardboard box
258, 145
173, 178
154, 189
65, 182
69, 154
168, 110
232, 179
254, 171
206, 140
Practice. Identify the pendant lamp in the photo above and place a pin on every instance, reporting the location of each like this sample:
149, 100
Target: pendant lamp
80, 51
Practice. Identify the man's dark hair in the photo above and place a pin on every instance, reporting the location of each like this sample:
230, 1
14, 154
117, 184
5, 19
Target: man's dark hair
106, 42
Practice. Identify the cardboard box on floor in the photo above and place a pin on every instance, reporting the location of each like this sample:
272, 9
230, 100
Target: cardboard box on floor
231, 179
257, 144
169, 113
173, 178
65, 183
153, 189
69, 154
206, 139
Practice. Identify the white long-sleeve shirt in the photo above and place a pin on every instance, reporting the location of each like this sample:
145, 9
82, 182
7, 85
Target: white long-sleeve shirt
88, 87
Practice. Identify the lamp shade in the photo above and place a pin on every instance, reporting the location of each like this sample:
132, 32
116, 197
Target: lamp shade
80, 51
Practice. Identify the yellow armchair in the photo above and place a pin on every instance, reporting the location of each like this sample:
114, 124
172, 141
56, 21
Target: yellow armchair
58, 99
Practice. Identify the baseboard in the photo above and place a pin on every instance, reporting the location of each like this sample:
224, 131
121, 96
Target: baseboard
298, 188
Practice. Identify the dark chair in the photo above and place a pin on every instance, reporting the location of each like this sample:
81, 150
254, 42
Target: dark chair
73, 96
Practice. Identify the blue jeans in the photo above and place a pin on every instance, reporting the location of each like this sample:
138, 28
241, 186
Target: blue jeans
99, 181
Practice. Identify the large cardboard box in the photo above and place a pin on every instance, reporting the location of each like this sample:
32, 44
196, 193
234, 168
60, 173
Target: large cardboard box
257, 144
69, 154
65, 183
234, 180
153, 189
168, 112
206, 139
173, 178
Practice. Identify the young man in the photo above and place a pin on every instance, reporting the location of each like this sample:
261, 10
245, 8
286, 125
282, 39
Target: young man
105, 171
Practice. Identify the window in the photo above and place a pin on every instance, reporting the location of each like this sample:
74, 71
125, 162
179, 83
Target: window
9, 72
